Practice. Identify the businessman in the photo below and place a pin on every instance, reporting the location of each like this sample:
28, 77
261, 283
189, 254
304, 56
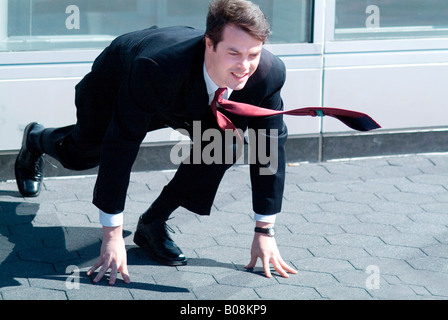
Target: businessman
168, 77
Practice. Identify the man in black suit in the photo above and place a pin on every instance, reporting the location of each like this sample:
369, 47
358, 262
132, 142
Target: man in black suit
154, 78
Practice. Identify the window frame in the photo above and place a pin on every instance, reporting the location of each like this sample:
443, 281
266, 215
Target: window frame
83, 55
374, 45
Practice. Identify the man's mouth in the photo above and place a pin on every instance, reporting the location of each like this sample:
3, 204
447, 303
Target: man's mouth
239, 75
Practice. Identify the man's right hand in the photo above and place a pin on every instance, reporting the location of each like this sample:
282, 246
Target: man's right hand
112, 256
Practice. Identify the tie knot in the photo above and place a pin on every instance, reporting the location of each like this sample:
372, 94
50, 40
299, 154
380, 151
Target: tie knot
219, 93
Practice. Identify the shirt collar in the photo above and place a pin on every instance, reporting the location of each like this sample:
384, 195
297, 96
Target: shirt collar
212, 87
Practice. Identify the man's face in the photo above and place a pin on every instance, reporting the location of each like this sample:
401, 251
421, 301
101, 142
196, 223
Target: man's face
235, 58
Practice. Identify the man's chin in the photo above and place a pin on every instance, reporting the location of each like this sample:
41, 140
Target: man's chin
239, 86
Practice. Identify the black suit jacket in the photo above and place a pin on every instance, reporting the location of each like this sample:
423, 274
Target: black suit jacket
159, 76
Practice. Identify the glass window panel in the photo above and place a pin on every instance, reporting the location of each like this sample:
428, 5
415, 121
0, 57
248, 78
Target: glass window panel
291, 20
382, 19
77, 24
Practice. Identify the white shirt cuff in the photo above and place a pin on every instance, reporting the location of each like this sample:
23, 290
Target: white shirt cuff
265, 218
115, 220
111, 220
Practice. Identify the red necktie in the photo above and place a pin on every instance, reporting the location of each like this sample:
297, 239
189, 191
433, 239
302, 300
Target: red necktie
353, 119
223, 122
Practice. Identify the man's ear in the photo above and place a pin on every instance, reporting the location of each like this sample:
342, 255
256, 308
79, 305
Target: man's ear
209, 43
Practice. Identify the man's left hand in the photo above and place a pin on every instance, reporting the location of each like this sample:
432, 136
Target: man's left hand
265, 248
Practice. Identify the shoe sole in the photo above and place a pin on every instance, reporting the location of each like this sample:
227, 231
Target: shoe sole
24, 138
143, 243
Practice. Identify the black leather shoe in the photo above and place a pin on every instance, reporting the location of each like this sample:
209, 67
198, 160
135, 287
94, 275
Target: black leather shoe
29, 166
153, 237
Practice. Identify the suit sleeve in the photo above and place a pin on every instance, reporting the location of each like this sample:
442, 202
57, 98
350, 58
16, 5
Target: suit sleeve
134, 115
267, 172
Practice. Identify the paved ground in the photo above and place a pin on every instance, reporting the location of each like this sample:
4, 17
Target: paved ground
363, 229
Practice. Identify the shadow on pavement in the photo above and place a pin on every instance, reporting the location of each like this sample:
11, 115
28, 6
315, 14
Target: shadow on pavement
45, 252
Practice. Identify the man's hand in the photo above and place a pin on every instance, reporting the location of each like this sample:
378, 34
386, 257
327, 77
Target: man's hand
265, 248
113, 256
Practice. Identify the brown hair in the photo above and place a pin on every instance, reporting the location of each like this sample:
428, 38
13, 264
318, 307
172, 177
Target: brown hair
240, 13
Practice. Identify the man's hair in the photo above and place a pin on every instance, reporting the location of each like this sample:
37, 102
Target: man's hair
241, 13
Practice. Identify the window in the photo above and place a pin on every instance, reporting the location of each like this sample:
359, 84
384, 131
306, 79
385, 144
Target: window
77, 24
382, 19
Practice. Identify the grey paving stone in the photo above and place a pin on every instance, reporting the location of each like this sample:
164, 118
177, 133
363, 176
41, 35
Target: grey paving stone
225, 292
287, 292
34, 294
338, 252
343, 293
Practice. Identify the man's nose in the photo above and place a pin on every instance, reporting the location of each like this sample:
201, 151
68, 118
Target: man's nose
244, 64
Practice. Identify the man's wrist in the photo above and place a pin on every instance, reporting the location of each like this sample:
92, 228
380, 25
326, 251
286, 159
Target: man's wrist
265, 231
111, 233
260, 224
110, 220
265, 218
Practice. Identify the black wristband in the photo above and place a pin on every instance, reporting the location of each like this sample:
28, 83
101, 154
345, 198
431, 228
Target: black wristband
268, 231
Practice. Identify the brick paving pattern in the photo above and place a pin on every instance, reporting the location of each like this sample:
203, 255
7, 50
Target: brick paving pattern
373, 228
